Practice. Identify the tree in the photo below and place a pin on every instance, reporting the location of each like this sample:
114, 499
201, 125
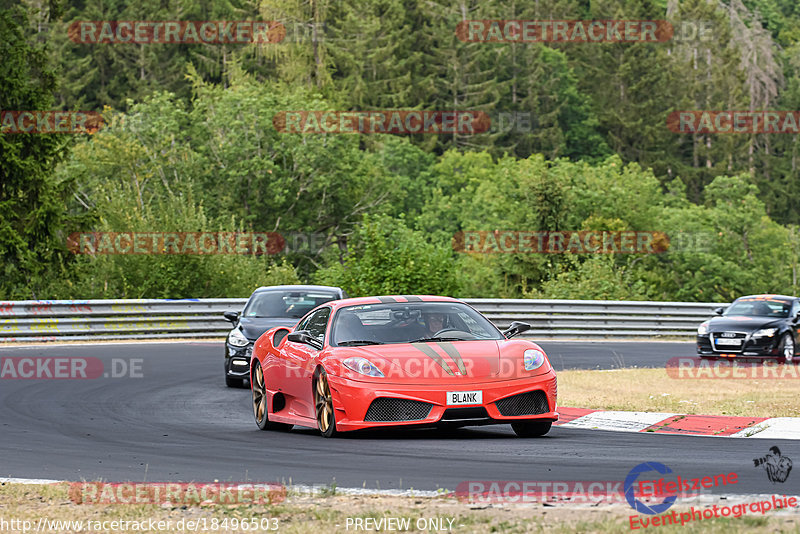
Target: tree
385, 257
33, 223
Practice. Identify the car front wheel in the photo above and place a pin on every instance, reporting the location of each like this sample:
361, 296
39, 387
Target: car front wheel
787, 348
531, 429
260, 402
323, 402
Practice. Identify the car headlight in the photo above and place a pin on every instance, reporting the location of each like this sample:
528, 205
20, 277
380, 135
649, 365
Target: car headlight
362, 366
533, 359
765, 332
702, 329
237, 339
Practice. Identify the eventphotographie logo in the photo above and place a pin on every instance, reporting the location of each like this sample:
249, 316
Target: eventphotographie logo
630, 485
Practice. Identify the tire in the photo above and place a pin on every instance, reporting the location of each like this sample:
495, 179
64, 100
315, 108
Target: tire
323, 404
787, 349
531, 429
234, 382
260, 402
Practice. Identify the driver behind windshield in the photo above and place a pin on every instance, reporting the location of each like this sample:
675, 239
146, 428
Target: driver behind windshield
434, 322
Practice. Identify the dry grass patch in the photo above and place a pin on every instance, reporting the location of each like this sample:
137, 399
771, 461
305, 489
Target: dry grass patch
652, 390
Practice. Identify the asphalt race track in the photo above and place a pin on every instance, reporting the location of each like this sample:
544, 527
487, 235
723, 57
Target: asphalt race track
178, 422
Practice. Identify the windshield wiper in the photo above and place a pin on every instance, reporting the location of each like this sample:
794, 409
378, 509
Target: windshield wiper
351, 342
429, 339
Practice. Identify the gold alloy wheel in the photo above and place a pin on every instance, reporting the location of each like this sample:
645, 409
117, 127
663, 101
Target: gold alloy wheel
324, 405
259, 396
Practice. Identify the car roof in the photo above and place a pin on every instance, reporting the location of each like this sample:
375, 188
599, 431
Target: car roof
388, 299
298, 287
768, 296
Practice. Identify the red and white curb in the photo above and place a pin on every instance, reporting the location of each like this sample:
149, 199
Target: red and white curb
674, 423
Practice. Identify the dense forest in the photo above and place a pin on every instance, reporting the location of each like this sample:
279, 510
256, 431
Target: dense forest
578, 141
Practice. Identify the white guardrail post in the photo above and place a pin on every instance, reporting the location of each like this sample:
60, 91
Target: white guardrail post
51, 320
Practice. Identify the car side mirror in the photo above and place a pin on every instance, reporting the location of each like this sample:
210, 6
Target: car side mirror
516, 328
232, 316
303, 336
719, 311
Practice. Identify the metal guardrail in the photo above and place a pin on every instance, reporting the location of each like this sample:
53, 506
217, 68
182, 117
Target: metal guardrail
88, 320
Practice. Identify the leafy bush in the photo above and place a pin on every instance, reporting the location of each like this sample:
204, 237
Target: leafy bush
385, 257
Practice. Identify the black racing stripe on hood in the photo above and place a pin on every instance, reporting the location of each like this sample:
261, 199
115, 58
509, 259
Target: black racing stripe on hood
386, 300
432, 354
452, 351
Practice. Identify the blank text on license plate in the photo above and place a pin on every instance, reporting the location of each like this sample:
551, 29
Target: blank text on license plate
458, 398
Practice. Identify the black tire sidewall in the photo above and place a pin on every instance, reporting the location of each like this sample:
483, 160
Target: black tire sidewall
531, 429
783, 345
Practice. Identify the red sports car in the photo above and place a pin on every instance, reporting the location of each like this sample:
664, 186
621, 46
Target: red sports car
401, 360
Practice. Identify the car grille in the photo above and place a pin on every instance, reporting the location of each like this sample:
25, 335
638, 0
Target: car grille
389, 409
530, 403
460, 414
723, 347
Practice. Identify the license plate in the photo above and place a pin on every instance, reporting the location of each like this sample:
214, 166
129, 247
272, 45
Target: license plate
728, 341
459, 398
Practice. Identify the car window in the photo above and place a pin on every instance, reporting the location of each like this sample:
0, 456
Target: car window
316, 324
759, 307
286, 303
404, 322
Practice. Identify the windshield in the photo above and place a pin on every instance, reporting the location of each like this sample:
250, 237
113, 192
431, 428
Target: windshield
760, 307
372, 324
285, 303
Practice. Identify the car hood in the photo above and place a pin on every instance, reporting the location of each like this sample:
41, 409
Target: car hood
253, 327
443, 362
742, 323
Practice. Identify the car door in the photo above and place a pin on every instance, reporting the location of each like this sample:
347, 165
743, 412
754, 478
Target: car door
299, 361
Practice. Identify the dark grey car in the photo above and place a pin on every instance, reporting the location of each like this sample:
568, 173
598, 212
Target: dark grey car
267, 308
